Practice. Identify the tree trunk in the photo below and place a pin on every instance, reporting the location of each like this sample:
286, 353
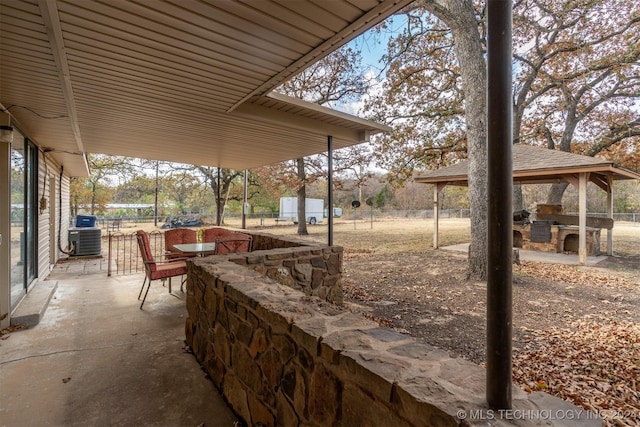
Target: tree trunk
518, 198
302, 197
460, 16
556, 192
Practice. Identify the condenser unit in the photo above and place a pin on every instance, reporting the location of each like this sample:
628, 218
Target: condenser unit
85, 241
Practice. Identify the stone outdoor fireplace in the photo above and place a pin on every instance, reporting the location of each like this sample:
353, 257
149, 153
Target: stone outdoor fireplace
549, 235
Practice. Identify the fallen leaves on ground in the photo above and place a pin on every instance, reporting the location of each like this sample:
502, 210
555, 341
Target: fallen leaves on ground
4, 333
387, 323
573, 275
595, 363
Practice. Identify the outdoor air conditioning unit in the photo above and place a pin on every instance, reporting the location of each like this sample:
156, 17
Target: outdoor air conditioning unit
85, 241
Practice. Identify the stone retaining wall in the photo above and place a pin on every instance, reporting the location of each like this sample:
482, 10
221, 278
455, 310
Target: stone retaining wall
282, 358
312, 268
266, 241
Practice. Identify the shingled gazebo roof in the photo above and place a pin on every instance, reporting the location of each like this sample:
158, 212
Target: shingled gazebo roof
536, 165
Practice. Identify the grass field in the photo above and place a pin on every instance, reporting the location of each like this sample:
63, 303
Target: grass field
406, 234
401, 235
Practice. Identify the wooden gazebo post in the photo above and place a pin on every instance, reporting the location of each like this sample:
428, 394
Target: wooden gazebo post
437, 189
582, 217
610, 214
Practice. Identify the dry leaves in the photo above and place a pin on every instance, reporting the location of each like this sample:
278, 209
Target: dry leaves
5, 333
573, 275
595, 364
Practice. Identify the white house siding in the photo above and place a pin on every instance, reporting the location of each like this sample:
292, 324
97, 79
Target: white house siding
49, 215
66, 215
49, 249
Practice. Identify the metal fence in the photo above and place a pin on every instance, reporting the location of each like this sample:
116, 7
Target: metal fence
271, 218
123, 254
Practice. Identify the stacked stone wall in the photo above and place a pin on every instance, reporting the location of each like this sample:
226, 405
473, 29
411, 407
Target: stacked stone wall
311, 268
556, 243
282, 358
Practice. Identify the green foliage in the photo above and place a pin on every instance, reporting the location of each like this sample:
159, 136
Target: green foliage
383, 197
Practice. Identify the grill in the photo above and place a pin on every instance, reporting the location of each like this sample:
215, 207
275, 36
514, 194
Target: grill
541, 231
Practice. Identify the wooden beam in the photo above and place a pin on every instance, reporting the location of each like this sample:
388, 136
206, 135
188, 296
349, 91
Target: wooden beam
575, 220
572, 179
601, 181
582, 222
610, 215
436, 214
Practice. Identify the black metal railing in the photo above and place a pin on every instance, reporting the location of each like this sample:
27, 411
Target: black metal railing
124, 255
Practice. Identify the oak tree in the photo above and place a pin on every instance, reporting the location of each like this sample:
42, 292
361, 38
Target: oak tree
335, 79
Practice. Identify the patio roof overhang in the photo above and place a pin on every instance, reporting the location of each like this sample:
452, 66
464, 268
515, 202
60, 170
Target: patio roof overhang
182, 81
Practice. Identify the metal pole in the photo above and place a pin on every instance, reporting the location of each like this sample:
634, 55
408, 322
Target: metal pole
218, 211
109, 257
244, 201
500, 205
155, 206
330, 189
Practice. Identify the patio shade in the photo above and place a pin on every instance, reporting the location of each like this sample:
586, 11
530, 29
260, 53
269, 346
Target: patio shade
178, 80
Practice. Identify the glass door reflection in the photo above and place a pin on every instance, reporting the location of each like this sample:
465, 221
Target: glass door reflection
18, 219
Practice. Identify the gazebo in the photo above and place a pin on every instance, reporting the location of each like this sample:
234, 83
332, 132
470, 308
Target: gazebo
536, 165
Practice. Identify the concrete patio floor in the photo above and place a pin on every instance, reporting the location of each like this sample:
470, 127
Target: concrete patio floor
95, 359
538, 256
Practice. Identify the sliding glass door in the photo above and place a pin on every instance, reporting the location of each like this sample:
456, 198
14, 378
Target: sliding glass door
24, 170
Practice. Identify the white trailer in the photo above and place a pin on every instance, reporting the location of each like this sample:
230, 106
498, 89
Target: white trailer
289, 210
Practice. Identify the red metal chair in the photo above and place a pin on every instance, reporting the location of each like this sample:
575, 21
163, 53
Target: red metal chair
176, 236
232, 243
157, 270
214, 233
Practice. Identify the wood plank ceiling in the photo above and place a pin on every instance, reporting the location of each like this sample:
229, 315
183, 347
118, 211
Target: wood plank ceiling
178, 80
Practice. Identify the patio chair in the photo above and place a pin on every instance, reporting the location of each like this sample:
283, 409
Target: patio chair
232, 243
157, 270
214, 233
176, 236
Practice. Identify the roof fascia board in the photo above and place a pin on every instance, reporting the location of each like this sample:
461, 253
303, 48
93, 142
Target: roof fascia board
73, 164
619, 173
260, 113
449, 180
546, 175
359, 26
329, 112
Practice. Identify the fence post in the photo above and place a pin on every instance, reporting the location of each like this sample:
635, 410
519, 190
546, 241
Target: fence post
109, 257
